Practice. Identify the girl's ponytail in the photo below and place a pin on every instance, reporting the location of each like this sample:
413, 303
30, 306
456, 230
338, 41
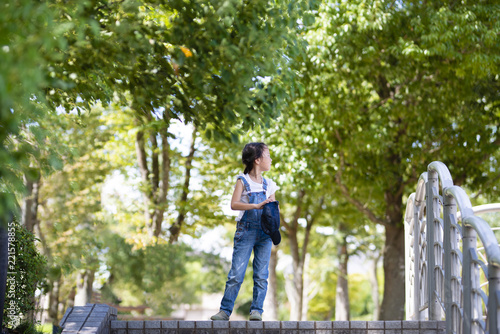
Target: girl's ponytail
251, 152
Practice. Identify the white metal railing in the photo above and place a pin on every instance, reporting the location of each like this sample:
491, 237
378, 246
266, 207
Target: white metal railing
452, 257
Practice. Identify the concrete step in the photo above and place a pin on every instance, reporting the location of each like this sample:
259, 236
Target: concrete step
102, 319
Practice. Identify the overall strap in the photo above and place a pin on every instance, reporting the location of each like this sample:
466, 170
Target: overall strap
245, 183
264, 184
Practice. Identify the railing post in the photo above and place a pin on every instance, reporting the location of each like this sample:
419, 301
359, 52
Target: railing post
493, 288
431, 193
469, 243
450, 208
416, 262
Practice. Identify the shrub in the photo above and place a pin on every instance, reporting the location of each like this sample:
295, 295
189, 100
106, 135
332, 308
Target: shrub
26, 268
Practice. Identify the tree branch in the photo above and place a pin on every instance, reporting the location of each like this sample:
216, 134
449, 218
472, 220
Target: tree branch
345, 191
175, 229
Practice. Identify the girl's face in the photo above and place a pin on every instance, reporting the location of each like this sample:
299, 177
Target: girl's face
265, 160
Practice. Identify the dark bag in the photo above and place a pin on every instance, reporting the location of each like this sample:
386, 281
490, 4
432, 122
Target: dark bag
270, 221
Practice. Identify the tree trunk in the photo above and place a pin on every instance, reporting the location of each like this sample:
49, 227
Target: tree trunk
394, 269
175, 229
140, 149
342, 297
161, 199
30, 203
54, 302
271, 302
84, 282
374, 285
296, 291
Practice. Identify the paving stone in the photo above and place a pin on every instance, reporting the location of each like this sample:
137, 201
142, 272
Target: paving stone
186, 330
95, 324
81, 309
410, 324
358, 324
289, 324
66, 315
431, 324
289, 331
118, 331
271, 324
393, 325
375, 331
375, 324
73, 318
341, 330
73, 326
203, 324
169, 331
306, 324
169, 324
237, 324
135, 324
358, 331
220, 324
324, 325
186, 324
135, 331
96, 319
152, 324
237, 330
255, 325
203, 330
152, 331
307, 331
411, 331
393, 331
324, 331
272, 331
88, 331
340, 325
220, 331
428, 331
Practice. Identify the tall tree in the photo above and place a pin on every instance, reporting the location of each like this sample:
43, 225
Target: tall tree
394, 86
218, 65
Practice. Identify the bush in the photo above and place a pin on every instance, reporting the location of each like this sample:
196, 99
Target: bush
26, 268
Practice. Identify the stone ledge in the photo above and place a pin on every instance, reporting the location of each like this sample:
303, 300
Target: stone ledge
101, 319
277, 327
88, 319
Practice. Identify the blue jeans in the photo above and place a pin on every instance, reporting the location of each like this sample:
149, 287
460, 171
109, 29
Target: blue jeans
249, 236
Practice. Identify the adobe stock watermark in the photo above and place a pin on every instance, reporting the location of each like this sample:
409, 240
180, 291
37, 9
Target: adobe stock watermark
12, 309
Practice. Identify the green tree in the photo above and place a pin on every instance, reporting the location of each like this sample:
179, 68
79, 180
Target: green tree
392, 87
202, 63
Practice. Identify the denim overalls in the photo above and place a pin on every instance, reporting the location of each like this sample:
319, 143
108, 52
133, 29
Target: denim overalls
249, 236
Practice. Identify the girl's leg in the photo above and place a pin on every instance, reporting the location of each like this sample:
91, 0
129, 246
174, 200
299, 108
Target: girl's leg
262, 254
241, 255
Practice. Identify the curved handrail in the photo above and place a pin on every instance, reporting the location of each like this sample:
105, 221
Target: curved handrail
420, 192
445, 281
443, 172
482, 228
486, 208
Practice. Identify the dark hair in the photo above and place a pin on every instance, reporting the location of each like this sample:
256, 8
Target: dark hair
252, 152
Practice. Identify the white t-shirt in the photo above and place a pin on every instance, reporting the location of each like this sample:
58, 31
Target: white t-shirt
255, 187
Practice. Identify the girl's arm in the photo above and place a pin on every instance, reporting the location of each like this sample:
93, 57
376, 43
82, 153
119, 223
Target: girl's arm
237, 204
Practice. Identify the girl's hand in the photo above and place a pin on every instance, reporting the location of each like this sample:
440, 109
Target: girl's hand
261, 204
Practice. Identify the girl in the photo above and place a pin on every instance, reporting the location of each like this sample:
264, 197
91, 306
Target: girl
250, 195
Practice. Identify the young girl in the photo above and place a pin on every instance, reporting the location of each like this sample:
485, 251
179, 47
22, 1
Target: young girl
250, 195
